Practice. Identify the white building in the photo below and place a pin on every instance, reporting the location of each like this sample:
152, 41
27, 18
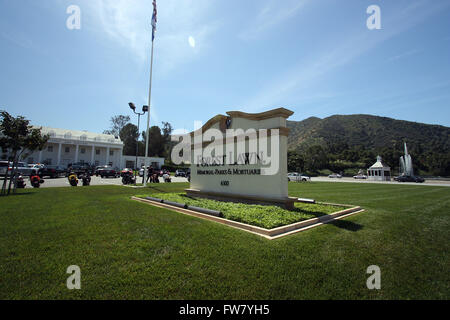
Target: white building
379, 171
70, 146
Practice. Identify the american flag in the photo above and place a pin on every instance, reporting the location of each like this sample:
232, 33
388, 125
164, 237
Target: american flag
154, 20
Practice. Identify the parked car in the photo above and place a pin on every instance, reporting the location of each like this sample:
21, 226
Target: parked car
98, 168
35, 166
360, 176
295, 176
21, 168
409, 179
25, 170
4, 166
109, 172
335, 175
79, 169
52, 171
180, 173
60, 170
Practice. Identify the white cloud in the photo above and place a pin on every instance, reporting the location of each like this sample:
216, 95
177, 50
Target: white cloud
128, 23
191, 41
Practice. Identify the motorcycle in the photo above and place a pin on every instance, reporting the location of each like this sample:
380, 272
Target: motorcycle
36, 181
86, 178
20, 182
128, 179
154, 178
167, 178
73, 180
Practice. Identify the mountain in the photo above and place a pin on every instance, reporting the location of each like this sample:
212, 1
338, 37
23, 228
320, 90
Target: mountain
341, 136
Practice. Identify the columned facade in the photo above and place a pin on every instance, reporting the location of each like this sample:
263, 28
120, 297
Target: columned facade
59, 153
68, 147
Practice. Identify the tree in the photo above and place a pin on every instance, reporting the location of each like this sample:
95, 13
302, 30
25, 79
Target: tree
156, 142
129, 135
160, 143
117, 124
295, 161
168, 144
315, 158
17, 135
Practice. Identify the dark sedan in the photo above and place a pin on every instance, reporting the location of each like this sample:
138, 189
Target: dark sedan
79, 169
98, 169
108, 172
409, 179
52, 171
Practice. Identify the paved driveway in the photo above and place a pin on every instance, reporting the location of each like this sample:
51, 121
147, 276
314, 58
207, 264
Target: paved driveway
97, 181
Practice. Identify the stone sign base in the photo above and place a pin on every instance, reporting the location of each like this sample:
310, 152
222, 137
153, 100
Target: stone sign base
287, 203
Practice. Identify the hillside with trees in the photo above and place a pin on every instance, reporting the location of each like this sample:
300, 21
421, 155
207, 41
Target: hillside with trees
347, 143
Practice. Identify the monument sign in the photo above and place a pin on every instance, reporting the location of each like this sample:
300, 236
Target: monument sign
241, 157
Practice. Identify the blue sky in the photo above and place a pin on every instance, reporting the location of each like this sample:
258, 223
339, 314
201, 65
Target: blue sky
315, 57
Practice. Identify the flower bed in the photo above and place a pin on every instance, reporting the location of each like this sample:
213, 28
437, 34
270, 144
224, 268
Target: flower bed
268, 217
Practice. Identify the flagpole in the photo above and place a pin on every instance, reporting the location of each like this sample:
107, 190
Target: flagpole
154, 19
148, 116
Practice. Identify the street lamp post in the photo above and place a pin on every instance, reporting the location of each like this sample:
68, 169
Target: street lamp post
144, 110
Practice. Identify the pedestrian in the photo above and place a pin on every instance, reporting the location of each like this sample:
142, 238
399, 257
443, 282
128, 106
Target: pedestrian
150, 174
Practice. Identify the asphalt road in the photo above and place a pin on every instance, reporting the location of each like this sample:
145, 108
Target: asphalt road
98, 181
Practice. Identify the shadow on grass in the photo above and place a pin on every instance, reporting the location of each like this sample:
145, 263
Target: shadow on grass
159, 190
347, 225
16, 194
343, 224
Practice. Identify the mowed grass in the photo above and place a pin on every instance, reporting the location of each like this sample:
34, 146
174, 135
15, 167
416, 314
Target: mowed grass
131, 250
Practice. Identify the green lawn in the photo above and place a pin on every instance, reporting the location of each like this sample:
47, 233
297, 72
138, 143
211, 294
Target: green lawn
131, 250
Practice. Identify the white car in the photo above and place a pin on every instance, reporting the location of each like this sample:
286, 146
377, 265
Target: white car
21, 168
335, 175
4, 165
180, 173
295, 176
25, 170
35, 167
360, 176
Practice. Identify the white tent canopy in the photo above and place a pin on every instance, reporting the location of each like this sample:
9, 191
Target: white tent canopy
379, 171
